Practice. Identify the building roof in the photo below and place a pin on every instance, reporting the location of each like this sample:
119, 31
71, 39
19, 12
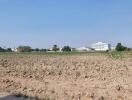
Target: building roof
99, 43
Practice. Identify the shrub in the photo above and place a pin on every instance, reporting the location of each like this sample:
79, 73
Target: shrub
55, 48
37, 49
1, 49
66, 48
120, 47
43, 50
8, 50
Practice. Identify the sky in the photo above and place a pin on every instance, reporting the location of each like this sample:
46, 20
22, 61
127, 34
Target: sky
43, 23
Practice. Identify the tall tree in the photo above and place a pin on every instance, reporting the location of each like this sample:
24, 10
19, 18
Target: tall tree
66, 48
120, 47
55, 48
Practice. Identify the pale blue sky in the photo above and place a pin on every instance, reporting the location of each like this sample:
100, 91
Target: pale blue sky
42, 23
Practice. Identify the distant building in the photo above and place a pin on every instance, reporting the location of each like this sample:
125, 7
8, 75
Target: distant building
83, 49
100, 46
60, 49
14, 50
73, 49
113, 48
51, 50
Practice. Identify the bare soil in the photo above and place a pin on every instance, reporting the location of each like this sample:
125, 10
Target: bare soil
72, 77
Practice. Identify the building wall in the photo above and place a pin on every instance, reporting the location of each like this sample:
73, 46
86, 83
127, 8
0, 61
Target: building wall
100, 46
83, 49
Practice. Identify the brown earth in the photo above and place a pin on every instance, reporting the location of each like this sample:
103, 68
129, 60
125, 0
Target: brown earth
73, 77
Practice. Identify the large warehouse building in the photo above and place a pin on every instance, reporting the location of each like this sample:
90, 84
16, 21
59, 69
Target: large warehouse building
100, 46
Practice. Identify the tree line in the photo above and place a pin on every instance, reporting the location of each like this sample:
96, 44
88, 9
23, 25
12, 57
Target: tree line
119, 47
5, 50
54, 48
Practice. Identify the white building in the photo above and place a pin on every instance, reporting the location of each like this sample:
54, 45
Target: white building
14, 50
60, 49
83, 49
100, 46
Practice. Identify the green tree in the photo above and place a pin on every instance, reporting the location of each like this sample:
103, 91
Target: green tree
55, 48
120, 47
37, 49
8, 50
43, 50
1, 49
66, 48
